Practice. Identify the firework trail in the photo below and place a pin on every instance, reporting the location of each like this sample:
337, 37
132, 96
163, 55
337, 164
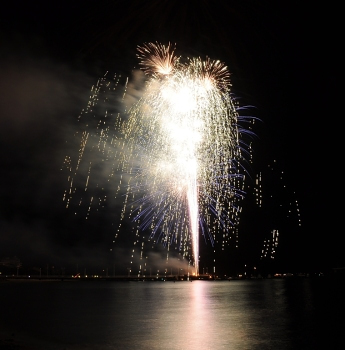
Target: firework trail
181, 148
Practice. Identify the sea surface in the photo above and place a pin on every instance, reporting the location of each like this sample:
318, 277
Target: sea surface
279, 314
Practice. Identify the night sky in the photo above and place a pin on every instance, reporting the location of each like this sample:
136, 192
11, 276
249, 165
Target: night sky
284, 60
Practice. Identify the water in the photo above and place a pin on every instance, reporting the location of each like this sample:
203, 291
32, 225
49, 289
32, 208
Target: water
296, 313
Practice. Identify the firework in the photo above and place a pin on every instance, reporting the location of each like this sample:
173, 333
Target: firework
178, 149
182, 143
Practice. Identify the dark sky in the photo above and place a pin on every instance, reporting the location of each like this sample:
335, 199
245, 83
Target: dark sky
284, 59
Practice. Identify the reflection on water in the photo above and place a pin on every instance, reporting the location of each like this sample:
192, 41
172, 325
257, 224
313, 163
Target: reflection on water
249, 314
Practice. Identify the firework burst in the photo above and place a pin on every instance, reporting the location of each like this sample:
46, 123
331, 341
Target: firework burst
178, 150
157, 59
182, 150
